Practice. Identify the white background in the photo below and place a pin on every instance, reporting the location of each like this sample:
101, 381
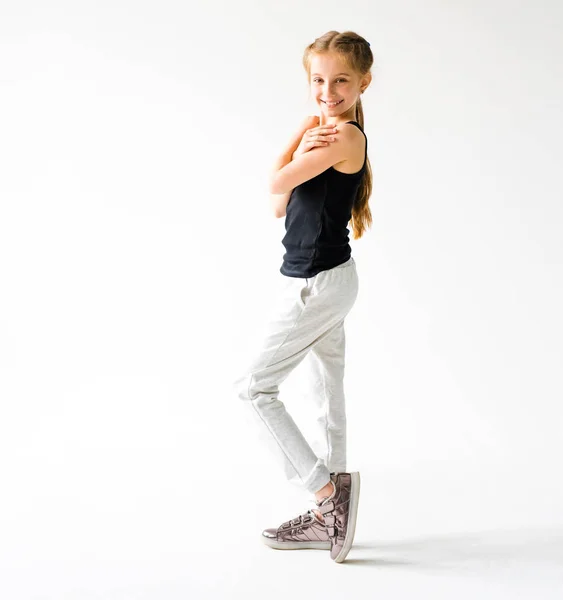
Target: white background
139, 253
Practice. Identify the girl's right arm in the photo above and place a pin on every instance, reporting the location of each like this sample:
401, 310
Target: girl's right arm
295, 148
279, 203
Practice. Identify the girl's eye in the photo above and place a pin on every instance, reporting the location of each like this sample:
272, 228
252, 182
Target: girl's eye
316, 80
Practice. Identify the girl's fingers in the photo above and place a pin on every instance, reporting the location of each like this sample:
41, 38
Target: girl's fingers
326, 138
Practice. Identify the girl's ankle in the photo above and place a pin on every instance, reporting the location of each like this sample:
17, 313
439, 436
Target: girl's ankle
324, 495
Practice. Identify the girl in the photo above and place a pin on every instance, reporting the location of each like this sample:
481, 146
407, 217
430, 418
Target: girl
320, 183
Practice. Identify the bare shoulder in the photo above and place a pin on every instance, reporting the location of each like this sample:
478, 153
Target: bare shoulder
355, 142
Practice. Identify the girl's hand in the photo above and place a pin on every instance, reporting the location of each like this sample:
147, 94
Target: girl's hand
321, 135
309, 122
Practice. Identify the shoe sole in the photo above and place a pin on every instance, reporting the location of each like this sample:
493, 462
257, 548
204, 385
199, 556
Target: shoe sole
296, 545
351, 529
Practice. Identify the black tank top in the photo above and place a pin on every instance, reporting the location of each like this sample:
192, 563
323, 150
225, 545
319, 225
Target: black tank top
317, 215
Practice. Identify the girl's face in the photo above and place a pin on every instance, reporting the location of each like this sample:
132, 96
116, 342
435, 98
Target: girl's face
335, 88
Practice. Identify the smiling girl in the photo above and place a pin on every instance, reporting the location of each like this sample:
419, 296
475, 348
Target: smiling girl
320, 183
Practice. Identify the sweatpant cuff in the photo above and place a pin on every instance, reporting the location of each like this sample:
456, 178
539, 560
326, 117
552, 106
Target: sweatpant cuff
318, 478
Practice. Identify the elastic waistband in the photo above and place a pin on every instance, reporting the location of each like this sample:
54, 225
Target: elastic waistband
349, 262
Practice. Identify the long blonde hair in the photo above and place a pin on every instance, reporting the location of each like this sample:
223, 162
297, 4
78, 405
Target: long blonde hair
356, 52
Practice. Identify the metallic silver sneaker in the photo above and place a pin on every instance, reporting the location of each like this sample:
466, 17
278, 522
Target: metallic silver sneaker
306, 531
339, 511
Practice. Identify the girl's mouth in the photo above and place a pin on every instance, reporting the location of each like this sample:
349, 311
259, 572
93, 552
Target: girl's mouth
332, 104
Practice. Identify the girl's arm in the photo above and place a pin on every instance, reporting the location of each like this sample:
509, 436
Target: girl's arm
279, 201
287, 155
288, 174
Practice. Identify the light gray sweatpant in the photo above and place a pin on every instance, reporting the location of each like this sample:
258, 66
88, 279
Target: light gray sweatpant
309, 316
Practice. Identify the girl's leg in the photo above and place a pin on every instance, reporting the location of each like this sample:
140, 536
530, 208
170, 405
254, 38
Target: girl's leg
327, 368
311, 311
299, 323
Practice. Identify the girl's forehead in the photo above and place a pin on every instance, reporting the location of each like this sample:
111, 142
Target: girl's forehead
329, 63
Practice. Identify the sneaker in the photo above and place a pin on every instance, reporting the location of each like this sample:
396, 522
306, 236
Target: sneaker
339, 511
306, 531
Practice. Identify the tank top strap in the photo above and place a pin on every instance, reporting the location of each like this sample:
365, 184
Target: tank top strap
356, 123
360, 128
